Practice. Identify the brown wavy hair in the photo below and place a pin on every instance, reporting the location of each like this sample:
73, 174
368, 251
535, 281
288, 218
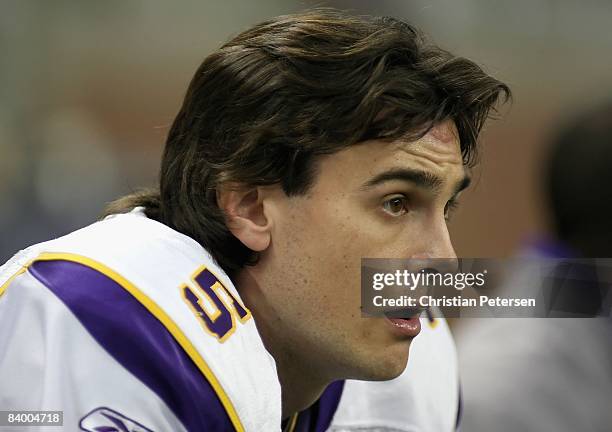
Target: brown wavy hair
263, 108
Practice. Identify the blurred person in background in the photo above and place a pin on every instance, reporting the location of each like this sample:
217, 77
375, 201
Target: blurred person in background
552, 374
303, 144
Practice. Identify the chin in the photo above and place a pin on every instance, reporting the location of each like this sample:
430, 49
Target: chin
385, 364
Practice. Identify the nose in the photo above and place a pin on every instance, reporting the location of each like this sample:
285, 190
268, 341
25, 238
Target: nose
439, 251
443, 246
443, 249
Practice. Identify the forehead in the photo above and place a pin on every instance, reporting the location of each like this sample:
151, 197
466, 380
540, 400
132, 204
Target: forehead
437, 149
445, 132
438, 152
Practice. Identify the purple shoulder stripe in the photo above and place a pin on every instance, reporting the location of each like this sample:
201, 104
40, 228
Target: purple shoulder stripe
137, 340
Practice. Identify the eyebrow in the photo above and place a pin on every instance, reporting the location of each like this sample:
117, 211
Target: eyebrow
462, 184
422, 179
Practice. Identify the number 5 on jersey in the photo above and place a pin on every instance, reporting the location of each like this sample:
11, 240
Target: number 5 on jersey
214, 305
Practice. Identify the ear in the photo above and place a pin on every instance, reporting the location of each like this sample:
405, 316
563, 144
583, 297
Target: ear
244, 211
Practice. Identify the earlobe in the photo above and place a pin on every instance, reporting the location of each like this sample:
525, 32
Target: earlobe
245, 215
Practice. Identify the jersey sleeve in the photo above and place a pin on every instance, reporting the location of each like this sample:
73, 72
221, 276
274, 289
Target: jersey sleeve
73, 340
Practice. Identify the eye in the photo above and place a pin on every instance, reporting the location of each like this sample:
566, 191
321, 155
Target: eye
449, 208
396, 206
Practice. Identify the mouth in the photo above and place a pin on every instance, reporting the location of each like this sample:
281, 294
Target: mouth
405, 322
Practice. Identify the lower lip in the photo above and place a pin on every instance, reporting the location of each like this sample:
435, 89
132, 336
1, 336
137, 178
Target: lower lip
406, 327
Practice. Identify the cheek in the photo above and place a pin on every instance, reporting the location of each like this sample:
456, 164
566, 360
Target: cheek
350, 230
320, 263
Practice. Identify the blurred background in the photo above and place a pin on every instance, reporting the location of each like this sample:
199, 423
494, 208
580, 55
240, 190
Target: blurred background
88, 90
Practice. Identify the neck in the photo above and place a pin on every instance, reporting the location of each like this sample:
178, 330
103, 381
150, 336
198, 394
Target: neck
300, 384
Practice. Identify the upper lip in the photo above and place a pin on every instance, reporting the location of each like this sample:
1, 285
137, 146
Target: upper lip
405, 313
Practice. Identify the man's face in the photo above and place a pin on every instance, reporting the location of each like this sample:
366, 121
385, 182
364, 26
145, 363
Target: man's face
372, 200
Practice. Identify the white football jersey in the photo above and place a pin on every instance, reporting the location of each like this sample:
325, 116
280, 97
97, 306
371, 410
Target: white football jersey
127, 324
